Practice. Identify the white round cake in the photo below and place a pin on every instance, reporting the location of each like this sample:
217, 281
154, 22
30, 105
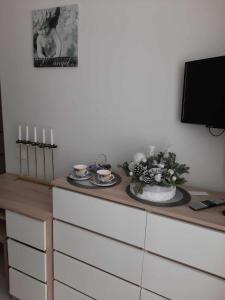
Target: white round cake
155, 193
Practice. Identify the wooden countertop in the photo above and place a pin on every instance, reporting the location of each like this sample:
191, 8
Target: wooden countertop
211, 218
30, 199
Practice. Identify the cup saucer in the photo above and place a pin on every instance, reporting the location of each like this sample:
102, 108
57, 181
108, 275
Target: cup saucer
85, 177
95, 180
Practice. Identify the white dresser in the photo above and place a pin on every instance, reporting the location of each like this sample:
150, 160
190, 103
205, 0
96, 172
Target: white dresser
29, 257
181, 260
98, 246
28, 214
108, 250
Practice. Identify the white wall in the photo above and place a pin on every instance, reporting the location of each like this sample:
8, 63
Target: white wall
126, 92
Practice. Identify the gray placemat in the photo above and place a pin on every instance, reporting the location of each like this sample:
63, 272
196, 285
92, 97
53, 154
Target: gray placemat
182, 197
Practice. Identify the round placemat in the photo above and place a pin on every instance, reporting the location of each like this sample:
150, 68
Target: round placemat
86, 184
182, 197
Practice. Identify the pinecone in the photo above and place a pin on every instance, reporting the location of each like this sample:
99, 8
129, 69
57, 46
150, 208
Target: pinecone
139, 170
147, 177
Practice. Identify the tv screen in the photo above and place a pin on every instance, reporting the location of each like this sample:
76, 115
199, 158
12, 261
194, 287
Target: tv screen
204, 92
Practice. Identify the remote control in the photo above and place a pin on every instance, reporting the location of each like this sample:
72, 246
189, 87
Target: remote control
207, 204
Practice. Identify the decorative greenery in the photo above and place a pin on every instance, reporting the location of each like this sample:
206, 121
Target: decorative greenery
155, 169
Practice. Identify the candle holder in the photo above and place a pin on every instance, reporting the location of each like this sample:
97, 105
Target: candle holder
52, 147
28, 143
44, 146
35, 146
24, 142
20, 142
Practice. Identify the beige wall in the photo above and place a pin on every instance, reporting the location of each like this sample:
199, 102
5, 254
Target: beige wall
126, 92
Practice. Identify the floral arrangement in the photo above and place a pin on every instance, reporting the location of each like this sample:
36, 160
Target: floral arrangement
160, 169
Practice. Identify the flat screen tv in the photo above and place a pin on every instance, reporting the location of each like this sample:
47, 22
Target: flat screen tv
204, 92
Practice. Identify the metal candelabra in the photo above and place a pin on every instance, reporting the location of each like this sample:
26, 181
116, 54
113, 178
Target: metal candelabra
29, 146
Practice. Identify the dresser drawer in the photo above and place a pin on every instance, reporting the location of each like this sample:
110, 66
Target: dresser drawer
146, 295
62, 292
26, 288
26, 230
190, 244
114, 220
27, 260
92, 282
176, 281
114, 257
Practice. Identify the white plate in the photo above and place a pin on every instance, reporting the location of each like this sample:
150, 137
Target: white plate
86, 177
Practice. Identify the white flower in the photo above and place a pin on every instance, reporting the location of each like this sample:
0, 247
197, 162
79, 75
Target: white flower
171, 172
154, 170
141, 178
174, 178
166, 153
150, 151
131, 166
158, 177
139, 157
154, 163
161, 166
131, 173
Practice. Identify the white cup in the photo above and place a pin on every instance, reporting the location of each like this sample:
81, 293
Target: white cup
104, 175
80, 170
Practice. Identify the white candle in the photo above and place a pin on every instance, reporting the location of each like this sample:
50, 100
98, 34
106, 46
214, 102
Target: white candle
20, 133
27, 133
35, 134
43, 135
52, 138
